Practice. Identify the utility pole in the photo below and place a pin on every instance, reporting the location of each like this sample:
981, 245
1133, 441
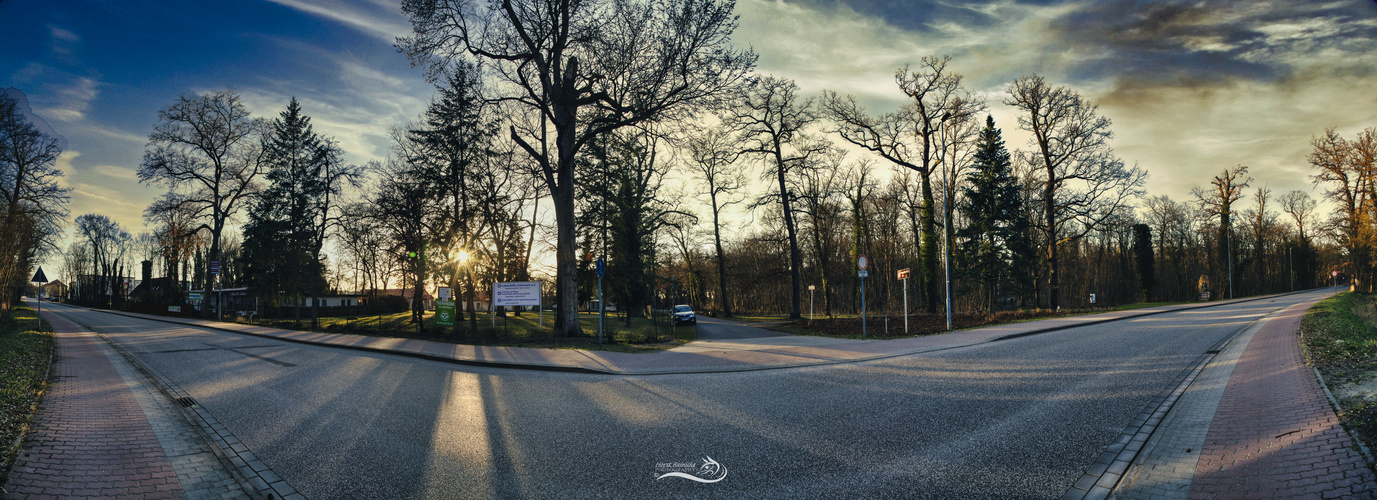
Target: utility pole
1228, 242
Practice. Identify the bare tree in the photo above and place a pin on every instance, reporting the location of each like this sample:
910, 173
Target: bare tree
712, 154
75, 261
819, 193
936, 95
206, 150
34, 205
771, 122
178, 238
584, 69
1301, 208
108, 244
1349, 169
1228, 189
1082, 183
402, 206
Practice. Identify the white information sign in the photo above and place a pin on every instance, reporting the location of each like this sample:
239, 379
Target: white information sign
444, 293
516, 293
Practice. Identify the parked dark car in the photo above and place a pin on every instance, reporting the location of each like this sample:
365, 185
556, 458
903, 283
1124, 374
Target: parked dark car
684, 314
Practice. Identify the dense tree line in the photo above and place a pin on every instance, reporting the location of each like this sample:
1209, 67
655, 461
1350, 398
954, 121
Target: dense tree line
34, 204
645, 136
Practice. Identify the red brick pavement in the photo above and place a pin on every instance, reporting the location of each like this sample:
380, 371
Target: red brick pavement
90, 436
1274, 434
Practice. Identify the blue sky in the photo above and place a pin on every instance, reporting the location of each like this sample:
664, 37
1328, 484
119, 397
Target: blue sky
1192, 87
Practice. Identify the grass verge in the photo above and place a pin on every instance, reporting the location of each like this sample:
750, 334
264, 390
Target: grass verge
1339, 338
527, 330
25, 352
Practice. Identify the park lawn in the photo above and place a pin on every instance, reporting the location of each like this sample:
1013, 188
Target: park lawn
25, 355
1339, 338
513, 331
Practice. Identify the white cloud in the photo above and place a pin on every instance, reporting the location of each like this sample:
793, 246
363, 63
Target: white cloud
122, 173
358, 113
64, 165
63, 34
74, 100
381, 19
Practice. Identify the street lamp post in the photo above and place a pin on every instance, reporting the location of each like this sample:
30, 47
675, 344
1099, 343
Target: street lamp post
946, 220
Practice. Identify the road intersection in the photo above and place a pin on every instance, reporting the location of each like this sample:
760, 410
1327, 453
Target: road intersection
996, 413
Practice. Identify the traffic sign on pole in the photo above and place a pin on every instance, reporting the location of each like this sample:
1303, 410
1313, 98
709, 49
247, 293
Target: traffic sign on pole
862, 263
214, 267
903, 275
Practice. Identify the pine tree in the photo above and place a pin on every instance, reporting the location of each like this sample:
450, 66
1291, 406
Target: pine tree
280, 238
996, 251
452, 146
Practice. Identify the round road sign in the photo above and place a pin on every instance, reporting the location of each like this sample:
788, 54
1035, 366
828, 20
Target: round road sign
861, 262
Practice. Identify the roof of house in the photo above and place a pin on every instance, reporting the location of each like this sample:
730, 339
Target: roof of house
406, 293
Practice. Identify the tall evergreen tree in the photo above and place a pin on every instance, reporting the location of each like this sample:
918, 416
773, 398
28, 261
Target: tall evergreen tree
280, 238
996, 251
622, 179
452, 146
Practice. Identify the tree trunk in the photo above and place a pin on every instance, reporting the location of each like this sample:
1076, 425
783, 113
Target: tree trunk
566, 279
1049, 207
721, 261
928, 247
795, 257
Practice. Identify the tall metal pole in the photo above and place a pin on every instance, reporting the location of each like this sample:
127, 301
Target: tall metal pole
811, 316
862, 307
602, 306
946, 231
1228, 242
905, 306
220, 285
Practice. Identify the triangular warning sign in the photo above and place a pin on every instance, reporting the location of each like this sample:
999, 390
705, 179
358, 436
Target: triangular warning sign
39, 277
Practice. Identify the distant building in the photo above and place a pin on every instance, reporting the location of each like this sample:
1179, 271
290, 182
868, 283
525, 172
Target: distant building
427, 301
55, 289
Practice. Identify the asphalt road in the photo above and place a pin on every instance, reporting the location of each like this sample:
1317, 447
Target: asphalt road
710, 328
1020, 418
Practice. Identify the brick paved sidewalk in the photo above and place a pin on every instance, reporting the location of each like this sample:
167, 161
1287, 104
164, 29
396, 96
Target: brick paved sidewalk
92, 438
1274, 434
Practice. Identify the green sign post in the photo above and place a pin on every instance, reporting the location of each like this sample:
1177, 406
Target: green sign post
444, 313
